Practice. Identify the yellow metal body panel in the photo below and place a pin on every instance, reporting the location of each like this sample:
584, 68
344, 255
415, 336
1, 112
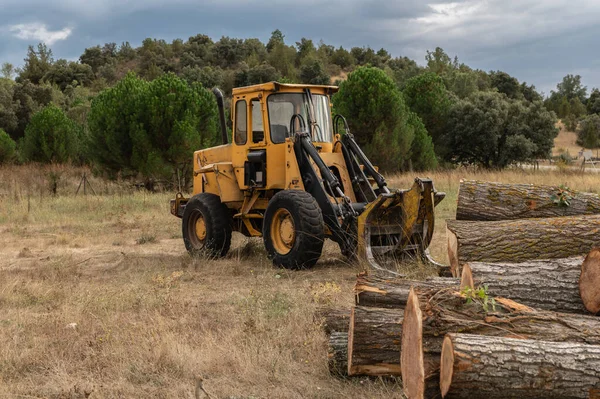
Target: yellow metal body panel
277, 153
293, 179
218, 178
221, 153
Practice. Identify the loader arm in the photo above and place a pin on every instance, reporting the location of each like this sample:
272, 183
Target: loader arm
332, 212
388, 227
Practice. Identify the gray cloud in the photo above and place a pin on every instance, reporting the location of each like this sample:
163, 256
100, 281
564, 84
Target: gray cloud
38, 31
537, 41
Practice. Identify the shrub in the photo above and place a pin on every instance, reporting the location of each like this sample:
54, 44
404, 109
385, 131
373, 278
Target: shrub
426, 95
8, 148
493, 131
570, 123
588, 133
51, 137
151, 128
113, 113
392, 136
314, 72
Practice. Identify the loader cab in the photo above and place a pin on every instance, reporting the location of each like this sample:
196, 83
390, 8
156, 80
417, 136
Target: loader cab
265, 118
268, 109
289, 113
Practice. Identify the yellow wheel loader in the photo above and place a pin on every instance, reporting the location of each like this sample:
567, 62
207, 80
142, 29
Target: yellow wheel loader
290, 177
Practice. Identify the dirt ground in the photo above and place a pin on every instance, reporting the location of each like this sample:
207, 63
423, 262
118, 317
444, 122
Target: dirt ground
99, 298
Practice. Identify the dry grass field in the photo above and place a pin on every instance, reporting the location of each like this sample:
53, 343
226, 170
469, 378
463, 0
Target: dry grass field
99, 299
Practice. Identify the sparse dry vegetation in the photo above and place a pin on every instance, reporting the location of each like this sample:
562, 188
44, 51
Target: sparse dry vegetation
565, 142
88, 312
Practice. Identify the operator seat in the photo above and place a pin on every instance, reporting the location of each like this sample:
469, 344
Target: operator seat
279, 133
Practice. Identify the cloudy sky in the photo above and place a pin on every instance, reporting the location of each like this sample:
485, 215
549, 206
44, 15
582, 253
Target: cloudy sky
536, 41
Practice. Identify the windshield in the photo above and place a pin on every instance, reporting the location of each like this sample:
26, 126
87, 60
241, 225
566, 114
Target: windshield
282, 106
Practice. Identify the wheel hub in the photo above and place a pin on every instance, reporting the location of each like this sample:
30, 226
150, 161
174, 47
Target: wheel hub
200, 228
287, 231
283, 232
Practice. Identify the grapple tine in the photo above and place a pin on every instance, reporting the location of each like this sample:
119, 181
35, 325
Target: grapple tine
397, 225
364, 234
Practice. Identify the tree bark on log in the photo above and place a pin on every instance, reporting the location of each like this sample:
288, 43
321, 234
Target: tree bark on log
475, 366
479, 200
520, 240
589, 281
337, 354
333, 320
448, 312
377, 291
551, 284
374, 341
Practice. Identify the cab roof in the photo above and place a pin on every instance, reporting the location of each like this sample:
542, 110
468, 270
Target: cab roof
288, 87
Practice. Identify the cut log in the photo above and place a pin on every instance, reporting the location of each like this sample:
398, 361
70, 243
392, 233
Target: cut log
589, 281
337, 354
420, 370
376, 291
411, 357
333, 320
466, 280
448, 312
374, 341
551, 284
520, 240
475, 366
479, 200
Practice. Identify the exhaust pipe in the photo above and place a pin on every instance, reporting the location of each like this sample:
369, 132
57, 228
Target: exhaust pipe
219, 95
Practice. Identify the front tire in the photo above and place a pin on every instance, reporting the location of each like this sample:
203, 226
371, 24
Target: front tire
206, 226
293, 230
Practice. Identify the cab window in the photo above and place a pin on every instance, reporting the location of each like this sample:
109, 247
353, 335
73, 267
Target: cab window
283, 106
258, 131
241, 123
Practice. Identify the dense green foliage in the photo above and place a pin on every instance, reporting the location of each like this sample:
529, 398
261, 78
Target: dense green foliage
427, 95
588, 133
151, 128
51, 137
8, 148
392, 135
313, 72
569, 98
593, 103
506, 84
494, 131
113, 114
421, 149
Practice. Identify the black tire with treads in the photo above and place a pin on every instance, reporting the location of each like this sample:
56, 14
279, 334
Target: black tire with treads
308, 225
217, 220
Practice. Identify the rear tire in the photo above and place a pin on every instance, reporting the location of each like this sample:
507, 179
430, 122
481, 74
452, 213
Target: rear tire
206, 226
293, 230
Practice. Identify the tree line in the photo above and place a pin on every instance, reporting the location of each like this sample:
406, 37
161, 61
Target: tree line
143, 111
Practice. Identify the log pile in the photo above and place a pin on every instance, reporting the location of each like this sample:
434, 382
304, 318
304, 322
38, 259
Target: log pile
475, 366
520, 317
478, 200
520, 240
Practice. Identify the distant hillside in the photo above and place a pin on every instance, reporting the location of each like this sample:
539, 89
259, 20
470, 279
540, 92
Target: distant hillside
451, 99
565, 142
